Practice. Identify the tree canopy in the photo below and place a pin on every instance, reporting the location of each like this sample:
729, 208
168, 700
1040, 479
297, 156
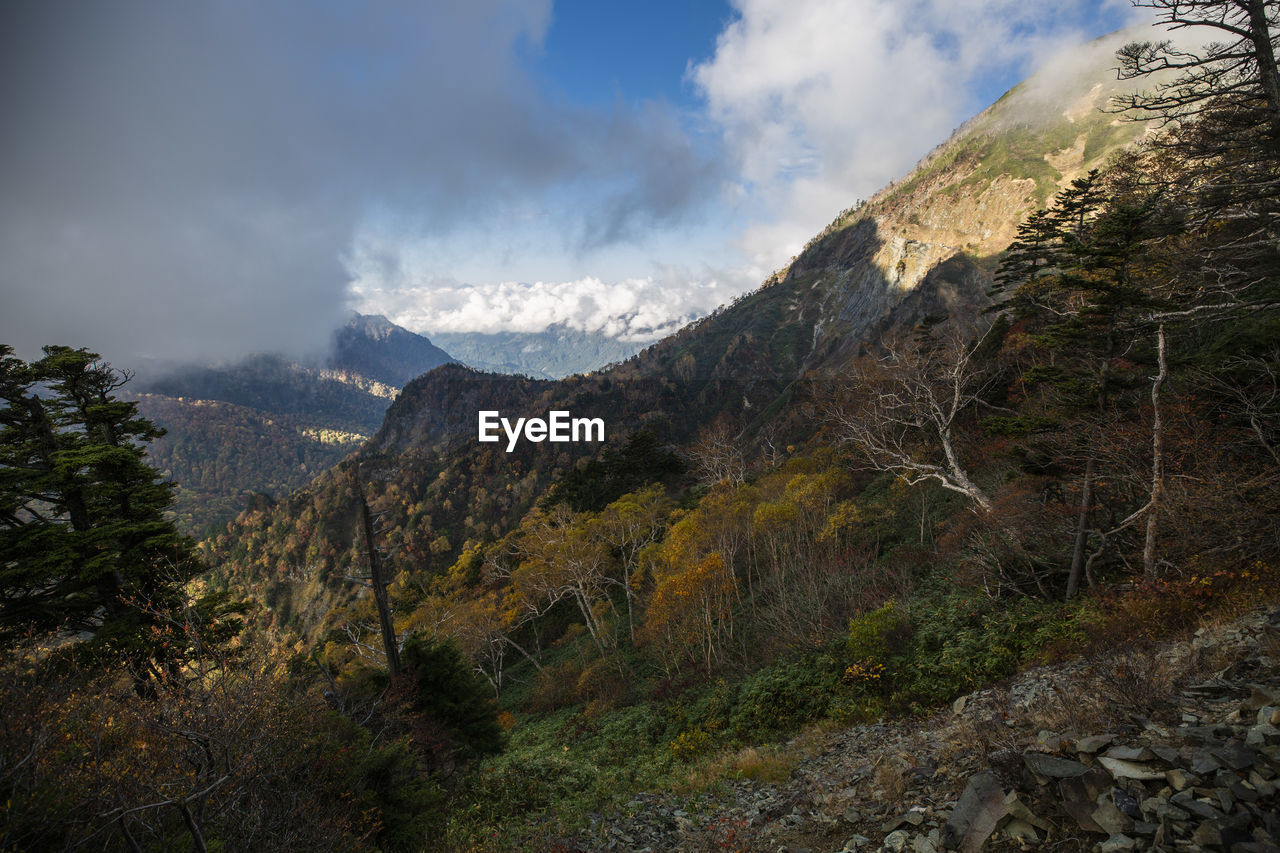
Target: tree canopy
86, 550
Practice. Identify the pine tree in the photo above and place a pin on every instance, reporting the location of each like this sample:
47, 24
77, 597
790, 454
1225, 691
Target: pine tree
85, 548
1084, 301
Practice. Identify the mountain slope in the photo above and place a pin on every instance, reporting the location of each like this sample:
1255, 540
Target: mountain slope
268, 424
966, 200
373, 347
922, 247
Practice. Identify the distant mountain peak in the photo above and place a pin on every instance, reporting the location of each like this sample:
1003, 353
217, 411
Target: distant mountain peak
373, 326
374, 347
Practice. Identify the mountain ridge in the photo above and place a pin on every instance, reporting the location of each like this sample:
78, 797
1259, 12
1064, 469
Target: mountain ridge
268, 424
922, 246
554, 353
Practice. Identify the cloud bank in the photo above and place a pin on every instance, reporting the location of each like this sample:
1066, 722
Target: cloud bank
816, 103
182, 181
199, 181
638, 309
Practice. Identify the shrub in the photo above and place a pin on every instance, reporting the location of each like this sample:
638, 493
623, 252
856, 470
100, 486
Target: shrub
782, 698
962, 641
450, 694
873, 638
601, 685
689, 743
554, 688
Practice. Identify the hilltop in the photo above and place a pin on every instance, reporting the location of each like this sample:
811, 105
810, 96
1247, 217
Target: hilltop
267, 425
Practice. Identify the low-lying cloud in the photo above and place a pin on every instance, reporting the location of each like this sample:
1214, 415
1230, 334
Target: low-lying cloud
638, 309
183, 180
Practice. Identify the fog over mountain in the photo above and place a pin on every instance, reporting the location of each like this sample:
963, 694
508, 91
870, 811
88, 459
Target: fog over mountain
194, 184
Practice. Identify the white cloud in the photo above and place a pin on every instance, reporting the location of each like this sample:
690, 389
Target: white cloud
183, 182
826, 101
636, 309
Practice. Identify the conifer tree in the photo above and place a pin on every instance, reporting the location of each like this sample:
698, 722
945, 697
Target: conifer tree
1084, 302
85, 548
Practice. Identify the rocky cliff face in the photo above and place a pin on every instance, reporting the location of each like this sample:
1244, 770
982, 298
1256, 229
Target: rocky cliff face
941, 228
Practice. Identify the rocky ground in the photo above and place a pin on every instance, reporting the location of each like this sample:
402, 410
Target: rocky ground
1176, 748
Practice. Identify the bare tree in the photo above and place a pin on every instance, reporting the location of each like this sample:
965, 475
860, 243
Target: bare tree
906, 406
1221, 105
717, 455
1239, 71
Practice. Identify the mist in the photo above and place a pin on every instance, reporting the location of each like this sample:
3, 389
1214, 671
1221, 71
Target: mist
183, 182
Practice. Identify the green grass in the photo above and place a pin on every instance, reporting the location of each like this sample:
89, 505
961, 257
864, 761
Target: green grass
561, 766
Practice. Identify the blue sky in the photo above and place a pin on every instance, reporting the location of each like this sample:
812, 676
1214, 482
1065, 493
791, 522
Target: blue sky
659, 40
204, 180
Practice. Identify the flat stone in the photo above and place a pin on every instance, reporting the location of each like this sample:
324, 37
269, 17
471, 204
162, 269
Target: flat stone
1166, 811
1208, 688
1083, 814
1262, 735
1260, 698
976, 815
896, 841
1181, 779
1087, 787
893, 823
1166, 753
1021, 831
1129, 770
1093, 743
1116, 844
1047, 741
1052, 767
1264, 787
1225, 799
1018, 810
1207, 835
1235, 755
922, 844
1125, 802
1130, 753
1204, 764
1188, 803
1243, 792
1110, 819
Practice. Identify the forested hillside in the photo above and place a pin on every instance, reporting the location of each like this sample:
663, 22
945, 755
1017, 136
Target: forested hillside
755, 376
268, 425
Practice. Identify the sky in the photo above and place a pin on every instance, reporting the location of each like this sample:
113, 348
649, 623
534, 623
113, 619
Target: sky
199, 181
